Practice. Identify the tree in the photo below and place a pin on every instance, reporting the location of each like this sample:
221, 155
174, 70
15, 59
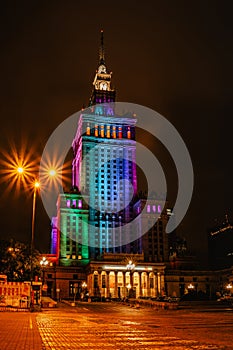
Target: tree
17, 262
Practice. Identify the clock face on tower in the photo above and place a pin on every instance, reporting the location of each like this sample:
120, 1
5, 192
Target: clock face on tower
103, 86
102, 69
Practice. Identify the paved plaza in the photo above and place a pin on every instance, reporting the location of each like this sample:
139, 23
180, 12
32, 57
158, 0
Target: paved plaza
116, 326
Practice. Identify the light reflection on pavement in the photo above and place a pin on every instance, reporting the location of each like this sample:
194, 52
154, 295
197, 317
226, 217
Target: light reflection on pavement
116, 327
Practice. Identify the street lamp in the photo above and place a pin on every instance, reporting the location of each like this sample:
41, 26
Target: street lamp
229, 288
20, 171
128, 287
36, 187
130, 267
23, 173
84, 286
44, 262
191, 288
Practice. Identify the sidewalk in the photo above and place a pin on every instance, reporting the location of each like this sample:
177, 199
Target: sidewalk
19, 331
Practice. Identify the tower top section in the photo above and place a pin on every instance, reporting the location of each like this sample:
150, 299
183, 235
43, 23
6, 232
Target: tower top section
102, 89
101, 50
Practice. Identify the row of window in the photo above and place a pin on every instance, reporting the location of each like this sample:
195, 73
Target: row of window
74, 203
109, 131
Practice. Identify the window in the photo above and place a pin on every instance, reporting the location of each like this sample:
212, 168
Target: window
114, 132
102, 130
119, 132
88, 129
96, 130
108, 131
128, 133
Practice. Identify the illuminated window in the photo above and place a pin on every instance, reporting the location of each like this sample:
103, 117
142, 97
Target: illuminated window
128, 133
102, 130
113, 132
108, 131
119, 132
80, 203
96, 130
148, 209
88, 130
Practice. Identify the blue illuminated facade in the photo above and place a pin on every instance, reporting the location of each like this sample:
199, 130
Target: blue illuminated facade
104, 187
104, 165
89, 240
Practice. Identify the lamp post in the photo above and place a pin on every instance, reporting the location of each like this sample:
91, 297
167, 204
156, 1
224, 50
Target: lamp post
24, 174
229, 288
44, 262
191, 289
84, 286
128, 289
36, 187
130, 267
20, 172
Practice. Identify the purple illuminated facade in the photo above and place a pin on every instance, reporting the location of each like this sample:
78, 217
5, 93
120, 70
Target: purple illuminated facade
104, 187
89, 239
104, 165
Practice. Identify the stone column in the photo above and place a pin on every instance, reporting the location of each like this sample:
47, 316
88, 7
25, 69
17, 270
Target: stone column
107, 283
116, 284
147, 285
90, 283
140, 282
162, 283
124, 286
158, 283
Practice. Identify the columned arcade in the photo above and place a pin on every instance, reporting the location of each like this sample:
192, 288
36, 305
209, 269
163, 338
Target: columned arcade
115, 280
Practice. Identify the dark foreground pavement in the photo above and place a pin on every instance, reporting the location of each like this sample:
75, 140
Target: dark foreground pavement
114, 326
19, 330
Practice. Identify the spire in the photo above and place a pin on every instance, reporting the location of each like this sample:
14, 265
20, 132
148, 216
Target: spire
101, 50
102, 91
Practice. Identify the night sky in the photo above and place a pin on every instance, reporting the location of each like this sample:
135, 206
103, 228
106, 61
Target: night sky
172, 56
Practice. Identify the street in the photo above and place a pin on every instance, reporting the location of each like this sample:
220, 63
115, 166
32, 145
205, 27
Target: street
116, 326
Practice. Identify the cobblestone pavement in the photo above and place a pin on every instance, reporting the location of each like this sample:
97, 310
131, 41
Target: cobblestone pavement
114, 327
19, 331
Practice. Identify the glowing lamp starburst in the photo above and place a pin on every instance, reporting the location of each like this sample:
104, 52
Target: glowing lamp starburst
52, 172
20, 170
18, 166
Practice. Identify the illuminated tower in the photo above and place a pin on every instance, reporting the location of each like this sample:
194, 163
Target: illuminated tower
102, 90
104, 165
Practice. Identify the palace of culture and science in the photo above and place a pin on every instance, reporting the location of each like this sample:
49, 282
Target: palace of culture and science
89, 248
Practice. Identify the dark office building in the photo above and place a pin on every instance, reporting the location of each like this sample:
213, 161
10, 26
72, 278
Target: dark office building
220, 244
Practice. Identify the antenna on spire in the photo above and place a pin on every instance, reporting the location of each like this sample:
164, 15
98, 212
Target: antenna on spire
101, 51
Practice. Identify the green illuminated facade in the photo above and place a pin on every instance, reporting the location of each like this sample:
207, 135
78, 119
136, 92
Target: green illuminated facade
73, 219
